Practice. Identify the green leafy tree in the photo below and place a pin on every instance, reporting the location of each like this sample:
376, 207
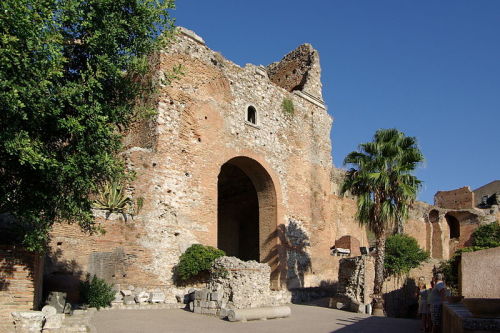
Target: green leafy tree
72, 74
402, 253
380, 178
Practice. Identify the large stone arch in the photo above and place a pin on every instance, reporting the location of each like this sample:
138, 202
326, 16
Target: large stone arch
247, 178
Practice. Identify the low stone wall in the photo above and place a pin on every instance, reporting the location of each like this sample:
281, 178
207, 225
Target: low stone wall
236, 284
458, 319
479, 274
20, 283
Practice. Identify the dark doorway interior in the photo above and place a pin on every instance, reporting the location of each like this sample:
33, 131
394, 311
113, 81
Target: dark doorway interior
237, 214
454, 226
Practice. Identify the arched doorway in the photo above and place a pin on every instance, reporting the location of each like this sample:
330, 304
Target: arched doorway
246, 210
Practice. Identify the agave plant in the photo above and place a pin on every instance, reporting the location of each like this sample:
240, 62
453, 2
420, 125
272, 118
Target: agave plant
112, 198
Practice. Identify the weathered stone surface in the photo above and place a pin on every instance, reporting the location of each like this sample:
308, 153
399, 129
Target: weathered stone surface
28, 321
259, 313
48, 311
142, 297
199, 129
157, 297
129, 300
126, 292
57, 300
54, 322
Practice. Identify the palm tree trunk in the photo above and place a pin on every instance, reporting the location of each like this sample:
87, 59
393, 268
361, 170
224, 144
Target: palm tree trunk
378, 302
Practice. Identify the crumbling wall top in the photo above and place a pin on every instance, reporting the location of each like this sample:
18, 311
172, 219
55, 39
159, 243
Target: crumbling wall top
299, 71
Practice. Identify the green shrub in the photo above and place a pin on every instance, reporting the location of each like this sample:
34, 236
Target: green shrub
197, 259
484, 237
450, 267
288, 107
402, 253
96, 293
487, 236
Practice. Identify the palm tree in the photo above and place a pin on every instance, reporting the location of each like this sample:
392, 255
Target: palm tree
380, 178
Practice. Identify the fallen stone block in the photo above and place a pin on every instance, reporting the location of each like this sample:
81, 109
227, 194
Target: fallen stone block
259, 313
129, 300
142, 297
157, 297
126, 292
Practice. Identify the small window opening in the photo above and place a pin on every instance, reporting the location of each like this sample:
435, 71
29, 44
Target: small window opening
252, 115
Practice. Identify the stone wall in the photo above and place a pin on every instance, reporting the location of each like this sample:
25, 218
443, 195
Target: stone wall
462, 198
178, 156
479, 274
20, 283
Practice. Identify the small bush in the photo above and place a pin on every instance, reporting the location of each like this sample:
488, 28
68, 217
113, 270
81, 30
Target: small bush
197, 259
402, 253
487, 236
288, 107
96, 293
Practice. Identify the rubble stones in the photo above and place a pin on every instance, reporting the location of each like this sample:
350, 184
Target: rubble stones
241, 285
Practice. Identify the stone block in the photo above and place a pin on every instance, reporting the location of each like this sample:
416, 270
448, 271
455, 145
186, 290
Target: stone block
57, 299
191, 306
129, 300
54, 321
202, 294
197, 309
126, 292
157, 297
212, 305
216, 296
28, 321
49, 311
142, 297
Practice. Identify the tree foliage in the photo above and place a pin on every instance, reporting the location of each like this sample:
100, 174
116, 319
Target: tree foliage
382, 181
487, 236
197, 258
71, 75
402, 253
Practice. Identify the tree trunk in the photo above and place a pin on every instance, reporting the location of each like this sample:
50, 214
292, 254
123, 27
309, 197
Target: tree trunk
378, 301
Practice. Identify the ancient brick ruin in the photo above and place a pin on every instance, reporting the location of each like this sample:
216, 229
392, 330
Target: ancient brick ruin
223, 164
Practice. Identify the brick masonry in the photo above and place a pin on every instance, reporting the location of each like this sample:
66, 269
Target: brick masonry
20, 283
202, 125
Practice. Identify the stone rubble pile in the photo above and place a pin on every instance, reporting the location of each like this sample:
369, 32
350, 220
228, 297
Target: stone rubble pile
236, 284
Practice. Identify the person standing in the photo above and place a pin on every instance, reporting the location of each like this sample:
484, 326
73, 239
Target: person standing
423, 309
437, 297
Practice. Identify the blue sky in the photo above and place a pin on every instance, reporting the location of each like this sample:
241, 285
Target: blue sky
430, 68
